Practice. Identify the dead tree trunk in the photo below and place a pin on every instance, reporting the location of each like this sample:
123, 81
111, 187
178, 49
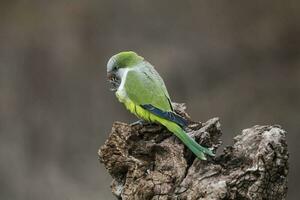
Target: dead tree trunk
148, 162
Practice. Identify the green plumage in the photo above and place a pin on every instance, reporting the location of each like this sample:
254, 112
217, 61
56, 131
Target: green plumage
141, 85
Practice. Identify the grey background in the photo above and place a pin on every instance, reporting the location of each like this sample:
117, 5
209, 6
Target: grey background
238, 60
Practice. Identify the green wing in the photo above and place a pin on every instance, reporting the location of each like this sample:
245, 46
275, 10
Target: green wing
160, 81
144, 86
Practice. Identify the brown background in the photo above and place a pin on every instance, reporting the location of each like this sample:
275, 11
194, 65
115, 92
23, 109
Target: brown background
239, 60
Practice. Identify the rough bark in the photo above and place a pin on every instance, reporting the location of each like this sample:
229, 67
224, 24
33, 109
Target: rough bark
148, 162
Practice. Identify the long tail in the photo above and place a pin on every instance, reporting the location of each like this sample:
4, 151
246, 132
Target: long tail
196, 148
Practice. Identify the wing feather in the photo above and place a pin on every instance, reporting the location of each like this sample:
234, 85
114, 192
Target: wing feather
144, 86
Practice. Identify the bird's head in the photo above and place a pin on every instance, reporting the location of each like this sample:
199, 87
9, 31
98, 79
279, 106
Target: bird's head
118, 63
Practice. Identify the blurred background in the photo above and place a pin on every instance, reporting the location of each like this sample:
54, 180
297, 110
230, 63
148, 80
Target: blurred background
238, 60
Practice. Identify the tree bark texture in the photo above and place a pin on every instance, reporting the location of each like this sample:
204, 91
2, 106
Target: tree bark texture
149, 162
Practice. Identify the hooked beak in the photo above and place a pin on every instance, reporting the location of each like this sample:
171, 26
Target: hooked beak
114, 80
110, 75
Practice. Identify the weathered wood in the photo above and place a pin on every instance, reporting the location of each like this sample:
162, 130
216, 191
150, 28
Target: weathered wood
148, 162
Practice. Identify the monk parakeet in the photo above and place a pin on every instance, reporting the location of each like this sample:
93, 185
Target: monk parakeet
143, 92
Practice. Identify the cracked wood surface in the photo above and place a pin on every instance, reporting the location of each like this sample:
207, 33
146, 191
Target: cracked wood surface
148, 162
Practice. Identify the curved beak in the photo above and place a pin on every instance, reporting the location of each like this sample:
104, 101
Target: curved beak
114, 80
110, 75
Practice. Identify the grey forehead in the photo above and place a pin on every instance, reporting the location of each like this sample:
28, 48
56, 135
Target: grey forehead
111, 63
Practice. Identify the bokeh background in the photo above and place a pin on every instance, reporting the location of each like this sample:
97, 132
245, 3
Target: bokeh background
238, 60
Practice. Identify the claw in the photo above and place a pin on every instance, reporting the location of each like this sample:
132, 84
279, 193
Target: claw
140, 122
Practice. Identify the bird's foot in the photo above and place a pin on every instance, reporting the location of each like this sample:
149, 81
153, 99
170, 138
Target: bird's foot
141, 123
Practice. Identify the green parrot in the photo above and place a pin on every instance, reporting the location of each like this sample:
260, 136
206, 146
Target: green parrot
143, 92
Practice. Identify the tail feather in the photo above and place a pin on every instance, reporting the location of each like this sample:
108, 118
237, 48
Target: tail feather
196, 148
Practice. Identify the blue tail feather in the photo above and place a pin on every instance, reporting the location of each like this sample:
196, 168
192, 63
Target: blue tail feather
171, 116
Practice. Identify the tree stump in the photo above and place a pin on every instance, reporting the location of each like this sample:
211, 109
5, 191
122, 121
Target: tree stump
149, 162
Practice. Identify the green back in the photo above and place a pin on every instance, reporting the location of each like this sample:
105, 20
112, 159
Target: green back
144, 86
